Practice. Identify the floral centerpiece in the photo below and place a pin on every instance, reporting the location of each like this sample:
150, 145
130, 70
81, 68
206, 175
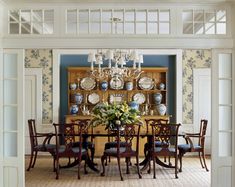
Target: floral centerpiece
114, 114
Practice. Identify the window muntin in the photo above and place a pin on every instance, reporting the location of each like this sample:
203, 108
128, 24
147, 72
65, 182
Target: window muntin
118, 21
204, 22
30, 21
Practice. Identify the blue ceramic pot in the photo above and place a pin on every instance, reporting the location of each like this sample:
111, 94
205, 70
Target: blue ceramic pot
78, 98
157, 98
161, 109
74, 109
129, 85
134, 105
161, 86
104, 85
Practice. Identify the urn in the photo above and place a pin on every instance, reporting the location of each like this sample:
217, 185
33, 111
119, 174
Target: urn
74, 109
161, 108
129, 85
157, 98
73, 86
161, 86
104, 85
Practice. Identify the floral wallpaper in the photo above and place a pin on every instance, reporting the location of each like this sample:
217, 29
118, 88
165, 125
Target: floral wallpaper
42, 58
192, 59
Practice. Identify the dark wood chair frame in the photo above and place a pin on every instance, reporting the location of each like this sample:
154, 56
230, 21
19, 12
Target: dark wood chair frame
65, 139
36, 147
164, 133
200, 148
130, 131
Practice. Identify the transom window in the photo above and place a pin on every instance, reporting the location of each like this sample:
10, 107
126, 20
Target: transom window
204, 21
31, 21
117, 21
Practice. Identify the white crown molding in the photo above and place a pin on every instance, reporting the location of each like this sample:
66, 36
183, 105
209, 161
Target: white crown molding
117, 42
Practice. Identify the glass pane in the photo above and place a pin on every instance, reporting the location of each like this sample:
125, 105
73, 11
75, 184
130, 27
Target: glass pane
198, 16
225, 92
225, 118
152, 15
106, 15
140, 28
141, 15
187, 15
95, 28
210, 28
25, 28
49, 15
210, 17
10, 65
37, 28
95, 15
221, 28
48, 28
37, 15
83, 28
14, 28
14, 16
118, 28
129, 15
225, 144
225, 65
106, 28
221, 15
83, 15
10, 92
152, 28
129, 28
118, 14
10, 144
164, 15
188, 28
164, 28
71, 28
10, 118
25, 15
71, 15
198, 28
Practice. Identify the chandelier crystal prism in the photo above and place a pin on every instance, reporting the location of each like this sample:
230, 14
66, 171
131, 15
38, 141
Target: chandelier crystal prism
117, 60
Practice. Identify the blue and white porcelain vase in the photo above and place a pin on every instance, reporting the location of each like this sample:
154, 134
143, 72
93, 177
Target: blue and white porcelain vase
74, 109
157, 98
134, 105
161, 86
129, 85
78, 98
161, 108
104, 85
73, 86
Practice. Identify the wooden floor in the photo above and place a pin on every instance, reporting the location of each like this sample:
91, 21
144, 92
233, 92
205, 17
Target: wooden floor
43, 176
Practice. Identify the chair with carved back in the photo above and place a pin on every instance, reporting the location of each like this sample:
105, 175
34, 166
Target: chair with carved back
164, 134
191, 147
35, 142
147, 146
65, 139
128, 134
86, 144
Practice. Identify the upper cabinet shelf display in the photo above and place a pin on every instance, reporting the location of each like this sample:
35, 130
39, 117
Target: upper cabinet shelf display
149, 90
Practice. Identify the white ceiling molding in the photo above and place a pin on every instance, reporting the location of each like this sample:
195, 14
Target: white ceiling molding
117, 42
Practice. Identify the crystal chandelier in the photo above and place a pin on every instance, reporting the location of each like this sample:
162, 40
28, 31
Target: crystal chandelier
117, 60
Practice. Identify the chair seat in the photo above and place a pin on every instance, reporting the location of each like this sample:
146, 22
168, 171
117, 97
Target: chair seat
85, 144
45, 147
74, 149
114, 144
186, 147
169, 149
113, 151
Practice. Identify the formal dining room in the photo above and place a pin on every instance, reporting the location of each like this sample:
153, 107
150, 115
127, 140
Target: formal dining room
117, 93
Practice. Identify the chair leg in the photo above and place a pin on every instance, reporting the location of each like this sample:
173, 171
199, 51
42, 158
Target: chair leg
154, 166
79, 164
85, 164
102, 162
149, 170
138, 168
127, 165
204, 160
200, 159
180, 159
35, 157
92, 153
169, 161
31, 160
119, 167
57, 168
176, 166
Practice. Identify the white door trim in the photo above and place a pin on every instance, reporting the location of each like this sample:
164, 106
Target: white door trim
37, 72
56, 75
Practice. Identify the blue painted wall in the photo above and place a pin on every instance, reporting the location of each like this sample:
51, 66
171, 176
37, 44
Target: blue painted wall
149, 61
